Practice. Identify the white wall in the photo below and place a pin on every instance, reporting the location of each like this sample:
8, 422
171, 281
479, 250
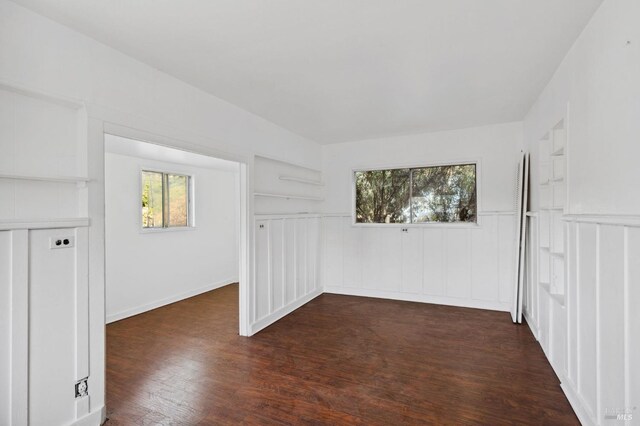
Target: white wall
464, 265
598, 83
122, 95
589, 335
150, 269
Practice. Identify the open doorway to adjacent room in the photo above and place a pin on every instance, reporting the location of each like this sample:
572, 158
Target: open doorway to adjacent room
174, 263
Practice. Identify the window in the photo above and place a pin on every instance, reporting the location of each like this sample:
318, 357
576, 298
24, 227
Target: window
417, 195
165, 200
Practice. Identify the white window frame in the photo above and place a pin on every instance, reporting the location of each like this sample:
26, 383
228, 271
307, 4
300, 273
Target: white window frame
191, 225
475, 161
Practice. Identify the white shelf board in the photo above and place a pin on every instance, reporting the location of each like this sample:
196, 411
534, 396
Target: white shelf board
58, 179
12, 224
287, 196
558, 152
618, 220
302, 180
557, 254
558, 298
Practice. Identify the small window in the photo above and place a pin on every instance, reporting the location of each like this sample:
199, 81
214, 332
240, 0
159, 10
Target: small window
438, 194
165, 200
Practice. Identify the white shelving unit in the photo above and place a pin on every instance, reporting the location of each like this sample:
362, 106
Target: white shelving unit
301, 180
43, 173
281, 187
54, 179
553, 200
287, 196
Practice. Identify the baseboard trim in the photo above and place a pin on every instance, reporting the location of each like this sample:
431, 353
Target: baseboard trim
422, 298
169, 300
284, 311
532, 326
94, 418
584, 414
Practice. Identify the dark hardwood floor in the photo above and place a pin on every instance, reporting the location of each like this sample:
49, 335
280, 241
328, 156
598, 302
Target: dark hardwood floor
336, 360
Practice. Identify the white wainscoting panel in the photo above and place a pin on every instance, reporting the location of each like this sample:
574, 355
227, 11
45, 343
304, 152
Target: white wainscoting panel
43, 326
5, 328
591, 334
452, 265
287, 265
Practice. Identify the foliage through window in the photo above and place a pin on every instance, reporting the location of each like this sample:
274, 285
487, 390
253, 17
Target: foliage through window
165, 200
417, 195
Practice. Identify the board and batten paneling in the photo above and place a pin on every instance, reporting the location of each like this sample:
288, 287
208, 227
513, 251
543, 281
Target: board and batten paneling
590, 335
455, 265
287, 265
43, 326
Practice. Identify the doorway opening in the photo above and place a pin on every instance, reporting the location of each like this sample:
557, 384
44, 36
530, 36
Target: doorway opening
175, 255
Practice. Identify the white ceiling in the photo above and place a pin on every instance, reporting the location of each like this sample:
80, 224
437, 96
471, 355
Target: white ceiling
339, 70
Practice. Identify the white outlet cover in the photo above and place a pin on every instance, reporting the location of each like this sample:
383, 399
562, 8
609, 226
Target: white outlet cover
61, 242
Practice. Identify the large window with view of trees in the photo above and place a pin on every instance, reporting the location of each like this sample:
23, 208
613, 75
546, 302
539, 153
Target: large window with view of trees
445, 194
165, 200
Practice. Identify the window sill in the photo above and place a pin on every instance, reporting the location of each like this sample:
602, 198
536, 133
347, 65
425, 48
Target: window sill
417, 225
163, 230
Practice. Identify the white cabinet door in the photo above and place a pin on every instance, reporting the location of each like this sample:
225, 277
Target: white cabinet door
412, 256
262, 279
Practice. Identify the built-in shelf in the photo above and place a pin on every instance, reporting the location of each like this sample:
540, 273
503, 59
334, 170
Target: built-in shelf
552, 186
558, 298
13, 224
56, 179
287, 196
302, 180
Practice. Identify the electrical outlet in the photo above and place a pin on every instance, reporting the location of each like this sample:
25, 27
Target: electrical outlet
61, 242
82, 388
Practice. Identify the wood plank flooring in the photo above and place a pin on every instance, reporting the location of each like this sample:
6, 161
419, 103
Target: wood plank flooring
336, 360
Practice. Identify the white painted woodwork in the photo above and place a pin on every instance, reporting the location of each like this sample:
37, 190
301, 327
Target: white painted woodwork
411, 254
52, 303
5, 328
45, 333
453, 265
432, 261
287, 254
590, 340
297, 192
45, 62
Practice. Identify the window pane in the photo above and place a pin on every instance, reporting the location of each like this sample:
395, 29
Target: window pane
178, 200
444, 194
382, 196
152, 200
